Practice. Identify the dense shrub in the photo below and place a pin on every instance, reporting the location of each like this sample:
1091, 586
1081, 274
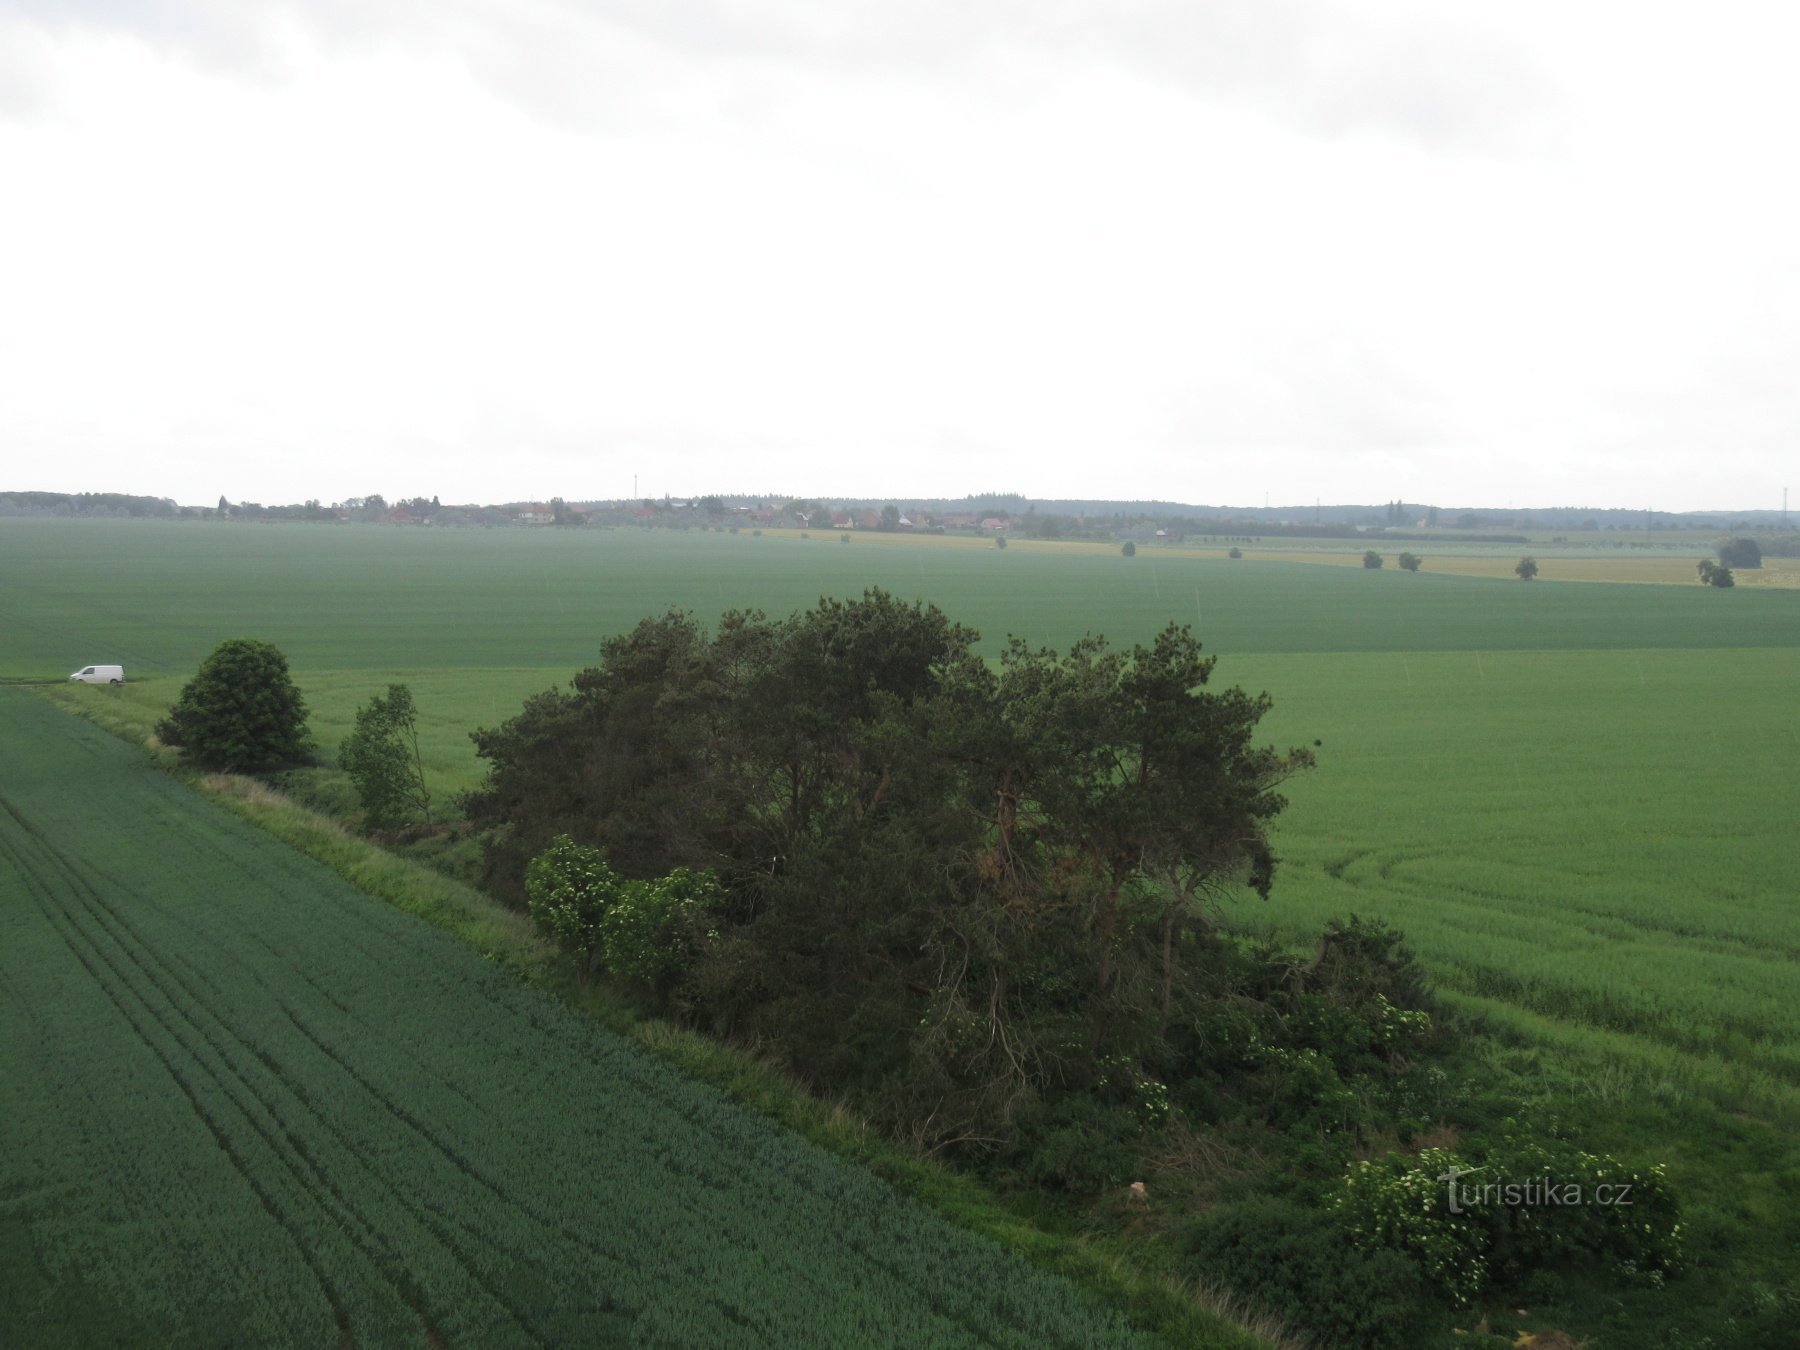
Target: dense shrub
1531, 1205
1076, 1143
1372, 560
1638, 1241
1294, 1264
652, 929
1402, 1204
570, 889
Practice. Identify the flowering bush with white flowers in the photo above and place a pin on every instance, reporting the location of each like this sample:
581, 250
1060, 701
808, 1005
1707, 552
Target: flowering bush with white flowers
569, 887
652, 928
1531, 1204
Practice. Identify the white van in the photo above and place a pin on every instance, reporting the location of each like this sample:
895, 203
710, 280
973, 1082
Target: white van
100, 675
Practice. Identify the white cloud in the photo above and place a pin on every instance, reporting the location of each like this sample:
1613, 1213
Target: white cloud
1352, 251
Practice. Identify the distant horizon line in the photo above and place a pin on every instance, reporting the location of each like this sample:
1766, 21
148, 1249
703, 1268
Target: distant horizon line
780, 498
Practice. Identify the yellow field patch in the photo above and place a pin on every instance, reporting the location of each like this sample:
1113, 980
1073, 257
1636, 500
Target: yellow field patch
1657, 571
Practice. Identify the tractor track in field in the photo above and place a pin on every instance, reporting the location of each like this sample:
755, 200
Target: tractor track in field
619, 1254
312, 1176
86, 953
185, 1001
260, 1106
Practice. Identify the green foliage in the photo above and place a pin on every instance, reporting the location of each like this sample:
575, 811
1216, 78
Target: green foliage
1740, 552
1399, 1204
999, 541
570, 889
1129, 550
1526, 568
383, 759
1533, 1204
1292, 1263
1075, 1143
241, 712
1716, 574
1410, 562
953, 887
1235, 552
1626, 1222
1372, 560
653, 929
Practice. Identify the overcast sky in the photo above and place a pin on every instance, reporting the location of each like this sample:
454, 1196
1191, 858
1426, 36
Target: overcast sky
1545, 252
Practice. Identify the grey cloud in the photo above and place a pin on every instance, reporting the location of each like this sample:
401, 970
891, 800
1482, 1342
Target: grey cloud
216, 34
1329, 69
1325, 392
1323, 68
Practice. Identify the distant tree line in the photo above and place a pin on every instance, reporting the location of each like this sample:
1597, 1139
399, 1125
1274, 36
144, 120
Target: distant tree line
101, 504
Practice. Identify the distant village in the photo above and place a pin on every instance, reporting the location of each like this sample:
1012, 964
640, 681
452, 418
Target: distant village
995, 515
702, 513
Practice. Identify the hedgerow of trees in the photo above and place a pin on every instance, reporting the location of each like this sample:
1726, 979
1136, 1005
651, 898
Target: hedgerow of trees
960, 889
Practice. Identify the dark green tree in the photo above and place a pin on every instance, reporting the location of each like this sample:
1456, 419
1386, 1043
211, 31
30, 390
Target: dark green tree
1372, 560
383, 759
1130, 549
241, 712
1740, 552
1526, 569
890, 518
1409, 562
